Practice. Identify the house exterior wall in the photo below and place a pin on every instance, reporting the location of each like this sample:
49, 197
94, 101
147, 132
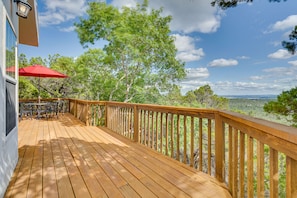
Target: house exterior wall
8, 143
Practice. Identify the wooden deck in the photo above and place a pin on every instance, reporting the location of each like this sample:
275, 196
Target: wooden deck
64, 158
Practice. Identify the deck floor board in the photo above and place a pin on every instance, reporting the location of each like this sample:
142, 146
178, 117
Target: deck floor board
64, 158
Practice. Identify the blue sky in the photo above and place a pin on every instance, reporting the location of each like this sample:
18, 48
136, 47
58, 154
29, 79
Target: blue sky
236, 51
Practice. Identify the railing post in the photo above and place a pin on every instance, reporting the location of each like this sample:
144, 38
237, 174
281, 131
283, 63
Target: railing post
219, 147
106, 114
136, 124
75, 108
87, 116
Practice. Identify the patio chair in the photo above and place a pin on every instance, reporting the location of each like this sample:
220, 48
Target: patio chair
26, 110
61, 107
43, 110
52, 109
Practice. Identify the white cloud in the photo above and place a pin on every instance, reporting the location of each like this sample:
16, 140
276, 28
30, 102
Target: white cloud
123, 3
294, 63
281, 71
187, 16
280, 54
243, 57
67, 29
256, 77
252, 88
186, 48
223, 63
59, 11
195, 78
197, 73
285, 24
191, 16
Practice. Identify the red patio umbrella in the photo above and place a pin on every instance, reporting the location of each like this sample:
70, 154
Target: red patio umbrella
40, 72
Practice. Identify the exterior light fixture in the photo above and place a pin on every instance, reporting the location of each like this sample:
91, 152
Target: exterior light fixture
23, 8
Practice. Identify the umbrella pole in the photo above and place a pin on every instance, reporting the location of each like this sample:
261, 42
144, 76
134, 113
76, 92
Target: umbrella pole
39, 89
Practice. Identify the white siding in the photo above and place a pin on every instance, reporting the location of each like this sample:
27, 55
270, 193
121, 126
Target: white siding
8, 144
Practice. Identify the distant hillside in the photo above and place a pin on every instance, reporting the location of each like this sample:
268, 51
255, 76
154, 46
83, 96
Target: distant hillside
253, 106
250, 96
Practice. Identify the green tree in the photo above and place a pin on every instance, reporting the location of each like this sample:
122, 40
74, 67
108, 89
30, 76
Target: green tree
291, 45
93, 77
206, 98
286, 105
224, 4
60, 87
140, 50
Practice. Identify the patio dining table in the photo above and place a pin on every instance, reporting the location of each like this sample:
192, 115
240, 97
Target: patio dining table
40, 108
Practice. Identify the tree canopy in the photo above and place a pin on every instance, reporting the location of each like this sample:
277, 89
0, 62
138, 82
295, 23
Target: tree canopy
140, 51
224, 4
286, 105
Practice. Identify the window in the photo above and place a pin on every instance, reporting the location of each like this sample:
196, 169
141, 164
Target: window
11, 114
10, 51
10, 106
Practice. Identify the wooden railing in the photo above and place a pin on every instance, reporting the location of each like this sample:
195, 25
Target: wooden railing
253, 157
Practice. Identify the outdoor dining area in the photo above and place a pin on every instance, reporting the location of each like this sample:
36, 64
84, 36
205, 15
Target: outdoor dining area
39, 109
44, 109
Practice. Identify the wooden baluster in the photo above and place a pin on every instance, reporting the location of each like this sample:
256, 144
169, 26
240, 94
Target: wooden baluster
200, 144
161, 133
250, 168
148, 129
192, 142
141, 126
185, 140
172, 135
219, 142
260, 169
230, 158
153, 131
136, 124
273, 173
241, 164
87, 116
235, 164
209, 147
157, 131
166, 134
177, 138
291, 177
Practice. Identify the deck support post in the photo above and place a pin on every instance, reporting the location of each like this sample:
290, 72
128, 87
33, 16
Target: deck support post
219, 147
136, 124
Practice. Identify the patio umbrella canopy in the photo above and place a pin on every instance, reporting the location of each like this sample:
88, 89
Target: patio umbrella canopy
41, 72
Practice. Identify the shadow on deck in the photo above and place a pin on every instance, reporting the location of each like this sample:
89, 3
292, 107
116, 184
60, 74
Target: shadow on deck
64, 158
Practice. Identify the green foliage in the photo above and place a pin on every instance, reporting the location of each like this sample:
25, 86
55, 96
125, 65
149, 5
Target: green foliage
206, 97
224, 4
291, 45
285, 105
140, 51
26, 89
49, 87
